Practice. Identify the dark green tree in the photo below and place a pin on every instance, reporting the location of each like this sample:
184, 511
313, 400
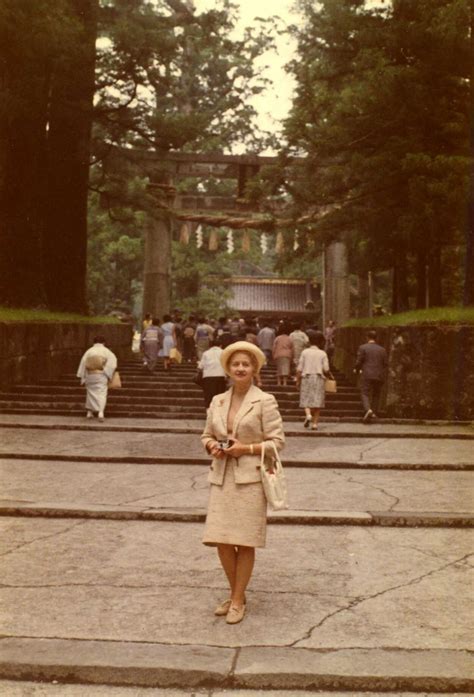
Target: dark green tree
164, 78
381, 115
39, 39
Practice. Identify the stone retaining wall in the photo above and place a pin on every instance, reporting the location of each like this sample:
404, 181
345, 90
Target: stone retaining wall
431, 369
33, 351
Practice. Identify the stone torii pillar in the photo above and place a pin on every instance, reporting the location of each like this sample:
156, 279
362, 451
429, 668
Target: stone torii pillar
157, 268
337, 288
157, 263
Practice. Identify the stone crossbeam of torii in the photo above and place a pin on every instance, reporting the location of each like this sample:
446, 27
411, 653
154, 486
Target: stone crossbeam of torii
164, 169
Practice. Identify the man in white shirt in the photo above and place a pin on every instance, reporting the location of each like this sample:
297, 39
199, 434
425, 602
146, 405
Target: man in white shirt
213, 374
96, 368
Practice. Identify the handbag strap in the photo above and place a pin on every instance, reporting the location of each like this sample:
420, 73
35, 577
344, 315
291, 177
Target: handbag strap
275, 452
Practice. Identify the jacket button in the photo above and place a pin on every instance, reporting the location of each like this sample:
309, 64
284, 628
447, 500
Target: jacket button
211, 467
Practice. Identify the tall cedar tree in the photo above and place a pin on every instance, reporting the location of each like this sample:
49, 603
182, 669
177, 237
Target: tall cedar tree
381, 112
47, 87
169, 79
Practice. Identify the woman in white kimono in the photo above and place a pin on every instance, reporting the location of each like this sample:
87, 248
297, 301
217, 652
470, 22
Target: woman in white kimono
96, 368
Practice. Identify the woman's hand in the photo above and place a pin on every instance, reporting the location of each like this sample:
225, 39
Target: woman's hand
215, 450
237, 449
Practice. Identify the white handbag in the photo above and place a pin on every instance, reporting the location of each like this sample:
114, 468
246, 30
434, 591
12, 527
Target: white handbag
274, 480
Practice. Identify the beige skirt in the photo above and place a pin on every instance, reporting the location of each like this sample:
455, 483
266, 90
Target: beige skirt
236, 514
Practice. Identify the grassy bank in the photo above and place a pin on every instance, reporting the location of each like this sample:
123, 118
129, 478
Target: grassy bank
432, 315
12, 314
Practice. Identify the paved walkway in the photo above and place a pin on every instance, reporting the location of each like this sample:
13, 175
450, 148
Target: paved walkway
378, 602
125, 446
86, 485
29, 689
432, 430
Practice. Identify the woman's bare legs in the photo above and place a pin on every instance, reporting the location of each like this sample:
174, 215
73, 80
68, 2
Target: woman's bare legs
228, 559
243, 572
315, 415
237, 563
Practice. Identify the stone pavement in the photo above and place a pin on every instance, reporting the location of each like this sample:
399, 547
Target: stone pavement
407, 452
30, 689
328, 428
364, 586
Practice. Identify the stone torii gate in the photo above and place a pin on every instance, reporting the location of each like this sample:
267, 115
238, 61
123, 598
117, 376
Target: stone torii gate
164, 169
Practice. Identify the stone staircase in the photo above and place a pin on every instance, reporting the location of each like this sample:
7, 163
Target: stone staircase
162, 395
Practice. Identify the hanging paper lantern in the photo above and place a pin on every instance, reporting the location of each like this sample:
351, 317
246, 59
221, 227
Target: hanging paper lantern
230, 242
214, 240
246, 242
280, 243
263, 243
184, 234
199, 237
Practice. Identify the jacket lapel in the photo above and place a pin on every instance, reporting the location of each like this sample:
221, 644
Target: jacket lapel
224, 406
253, 395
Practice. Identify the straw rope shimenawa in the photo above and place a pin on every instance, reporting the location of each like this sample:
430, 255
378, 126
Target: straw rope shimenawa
266, 224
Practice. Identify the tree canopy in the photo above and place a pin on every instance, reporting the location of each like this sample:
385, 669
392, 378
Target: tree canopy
380, 122
381, 115
83, 77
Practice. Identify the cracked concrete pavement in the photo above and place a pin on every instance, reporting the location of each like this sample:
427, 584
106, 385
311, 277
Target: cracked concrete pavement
349, 601
185, 487
435, 452
155, 582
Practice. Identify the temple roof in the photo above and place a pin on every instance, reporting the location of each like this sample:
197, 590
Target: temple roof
285, 296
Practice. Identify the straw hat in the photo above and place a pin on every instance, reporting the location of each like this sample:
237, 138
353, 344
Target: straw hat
242, 346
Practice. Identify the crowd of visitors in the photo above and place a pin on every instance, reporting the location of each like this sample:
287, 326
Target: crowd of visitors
281, 340
302, 355
285, 344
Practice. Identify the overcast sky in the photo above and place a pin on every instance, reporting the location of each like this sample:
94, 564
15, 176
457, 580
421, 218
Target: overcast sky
274, 104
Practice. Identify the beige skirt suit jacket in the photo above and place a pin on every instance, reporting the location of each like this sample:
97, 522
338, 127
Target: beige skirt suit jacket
237, 508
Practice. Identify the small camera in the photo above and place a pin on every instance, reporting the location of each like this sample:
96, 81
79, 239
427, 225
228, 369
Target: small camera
224, 444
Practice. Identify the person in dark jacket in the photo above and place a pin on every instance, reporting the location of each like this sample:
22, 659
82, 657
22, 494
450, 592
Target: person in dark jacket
372, 364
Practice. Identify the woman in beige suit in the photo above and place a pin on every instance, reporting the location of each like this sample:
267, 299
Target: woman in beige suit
239, 422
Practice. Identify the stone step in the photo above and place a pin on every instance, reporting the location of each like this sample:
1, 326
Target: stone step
192, 461
124, 397
163, 388
116, 400
417, 519
194, 666
330, 428
147, 379
151, 384
165, 411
